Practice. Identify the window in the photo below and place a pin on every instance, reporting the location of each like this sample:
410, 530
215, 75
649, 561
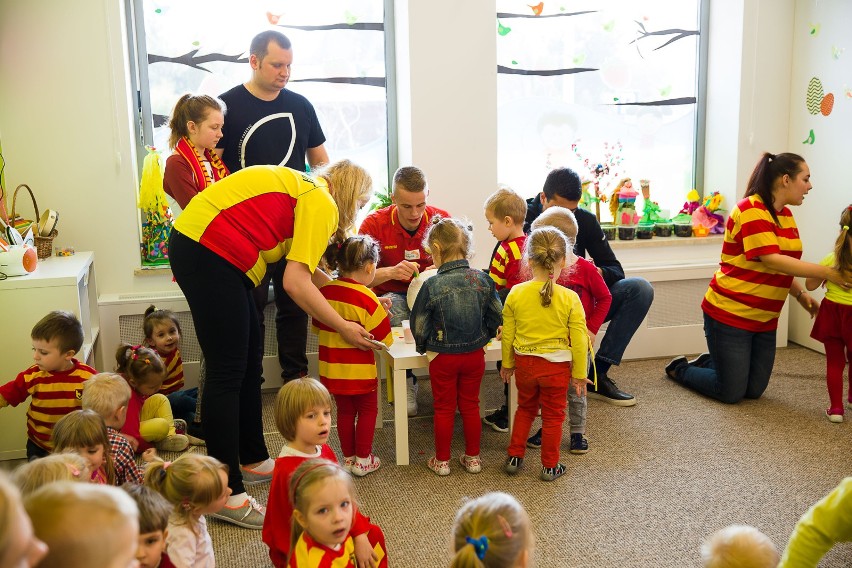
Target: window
611, 82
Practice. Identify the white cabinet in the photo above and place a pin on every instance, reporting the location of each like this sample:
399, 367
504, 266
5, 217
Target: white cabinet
59, 283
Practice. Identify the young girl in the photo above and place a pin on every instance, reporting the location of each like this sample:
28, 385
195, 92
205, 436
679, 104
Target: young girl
544, 331
84, 432
833, 325
196, 126
64, 466
324, 511
19, 546
456, 314
492, 530
349, 373
162, 333
149, 414
196, 485
303, 417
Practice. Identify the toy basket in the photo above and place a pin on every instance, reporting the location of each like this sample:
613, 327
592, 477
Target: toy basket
44, 245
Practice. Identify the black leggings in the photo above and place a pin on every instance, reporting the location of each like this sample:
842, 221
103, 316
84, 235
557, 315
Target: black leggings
220, 299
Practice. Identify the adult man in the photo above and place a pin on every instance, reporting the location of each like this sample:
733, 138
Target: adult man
631, 297
399, 230
269, 124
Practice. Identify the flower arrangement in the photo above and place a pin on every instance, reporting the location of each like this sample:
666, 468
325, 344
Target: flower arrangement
598, 175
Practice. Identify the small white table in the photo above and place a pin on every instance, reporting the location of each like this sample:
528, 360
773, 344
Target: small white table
400, 358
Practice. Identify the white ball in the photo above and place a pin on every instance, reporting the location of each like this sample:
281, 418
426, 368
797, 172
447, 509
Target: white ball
417, 283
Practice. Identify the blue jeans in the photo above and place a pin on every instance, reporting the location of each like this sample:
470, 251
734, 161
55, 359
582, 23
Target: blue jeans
741, 363
399, 307
183, 403
631, 300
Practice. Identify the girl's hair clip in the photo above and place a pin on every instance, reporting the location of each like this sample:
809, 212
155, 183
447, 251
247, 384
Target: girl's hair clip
74, 471
504, 524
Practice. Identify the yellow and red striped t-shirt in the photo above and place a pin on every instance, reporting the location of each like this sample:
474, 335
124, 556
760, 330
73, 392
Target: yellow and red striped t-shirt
506, 264
744, 293
345, 369
54, 394
174, 373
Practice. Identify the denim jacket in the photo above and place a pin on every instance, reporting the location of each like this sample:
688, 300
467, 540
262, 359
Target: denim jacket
456, 311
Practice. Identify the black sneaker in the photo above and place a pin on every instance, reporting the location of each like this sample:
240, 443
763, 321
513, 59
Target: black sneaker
534, 441
551, 473
674, 365
608, 391
702, 360
579, 444
513, 465
498, 420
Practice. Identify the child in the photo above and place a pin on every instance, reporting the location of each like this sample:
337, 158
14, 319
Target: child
154, 513
19, 546
347, 372
303, 417
833, 325
505, 212
583, 278
544, 331
54, 382
64, 466
84, 525
826, 523
324, 512
196, 126
108, 395
492, 530
195, 485
149, 414
456, 314
739, 546
84, 432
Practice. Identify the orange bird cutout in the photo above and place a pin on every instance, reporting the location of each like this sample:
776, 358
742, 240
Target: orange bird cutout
537, 8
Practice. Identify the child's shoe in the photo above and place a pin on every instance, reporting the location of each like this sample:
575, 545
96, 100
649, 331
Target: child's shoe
363, 466
513, 465
440, 467
849, 404
579, 444
834, 415
182, 428
173, 443
498, 420
472, 464
534, 441
551, 473
348, 462
249, 515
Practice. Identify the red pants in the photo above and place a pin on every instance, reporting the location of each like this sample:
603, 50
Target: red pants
455, 383
356, 440
540, 382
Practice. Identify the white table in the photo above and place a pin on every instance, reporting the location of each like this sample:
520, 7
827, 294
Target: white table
401, 357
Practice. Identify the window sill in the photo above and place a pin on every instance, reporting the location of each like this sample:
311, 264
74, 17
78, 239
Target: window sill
715, 240
152, 271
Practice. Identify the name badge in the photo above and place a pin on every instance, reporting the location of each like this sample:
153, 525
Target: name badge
412, 254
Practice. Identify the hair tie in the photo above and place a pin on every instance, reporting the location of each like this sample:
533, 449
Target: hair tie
480, 545
504, 524
166, 465
770, 157
845, 227
74, 471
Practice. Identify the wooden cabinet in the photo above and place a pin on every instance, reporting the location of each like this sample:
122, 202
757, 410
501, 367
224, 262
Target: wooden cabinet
59, 283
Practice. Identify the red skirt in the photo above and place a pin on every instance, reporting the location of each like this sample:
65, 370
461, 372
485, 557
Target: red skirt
834, 321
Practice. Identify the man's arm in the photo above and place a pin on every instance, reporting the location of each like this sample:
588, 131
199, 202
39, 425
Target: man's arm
316, 156
591, 239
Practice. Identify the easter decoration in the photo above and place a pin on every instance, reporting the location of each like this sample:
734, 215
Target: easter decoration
683, 220
708, 218
598, 174
156, 215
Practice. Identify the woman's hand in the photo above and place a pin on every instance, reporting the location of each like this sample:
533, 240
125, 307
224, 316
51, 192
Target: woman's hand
355, 335
810, 304
842, 279
365, 556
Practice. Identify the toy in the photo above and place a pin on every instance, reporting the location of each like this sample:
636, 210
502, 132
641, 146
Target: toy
709, 216
623, 204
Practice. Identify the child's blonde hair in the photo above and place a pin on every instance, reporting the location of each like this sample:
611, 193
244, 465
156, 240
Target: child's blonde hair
10, 504
453, 237
843, 244
192, 481
559, 218
491, 531
105, 393
309, 473
191, 108
545, 248
506, 202
739, 546
294, 399
84, 429
154, 316
139, 364
154, 510
64, 466
80, 522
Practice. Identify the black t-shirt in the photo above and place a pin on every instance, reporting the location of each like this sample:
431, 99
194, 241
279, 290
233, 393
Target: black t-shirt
275, 132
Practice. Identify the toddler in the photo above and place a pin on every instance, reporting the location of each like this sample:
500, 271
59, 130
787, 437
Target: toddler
84, 432
739, 546
492, 530
324, 510
303, 417
154, 513
19, 547
349, 373
456, 314
826, 523
64, 466
544, 335
195, 485
149, 414
54, 382
833, 325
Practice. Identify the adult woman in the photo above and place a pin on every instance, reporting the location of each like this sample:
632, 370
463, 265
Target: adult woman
760, 256
220, 247
19, 546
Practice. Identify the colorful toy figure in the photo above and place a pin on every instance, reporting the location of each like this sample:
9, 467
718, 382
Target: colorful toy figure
709, 216
156, 215
623, 204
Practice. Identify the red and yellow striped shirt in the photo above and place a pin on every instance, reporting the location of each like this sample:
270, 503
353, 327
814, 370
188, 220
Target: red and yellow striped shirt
744, 293
345, 369
54, 394
174, 373
506, 264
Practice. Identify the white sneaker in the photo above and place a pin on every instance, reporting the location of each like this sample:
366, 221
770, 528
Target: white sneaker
348, 462
362, 467
412, 389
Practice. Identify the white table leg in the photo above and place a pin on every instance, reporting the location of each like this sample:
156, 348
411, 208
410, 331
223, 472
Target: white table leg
400, 416
513, 403
380, 376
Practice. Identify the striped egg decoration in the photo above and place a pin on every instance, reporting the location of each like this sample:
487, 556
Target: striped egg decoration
815, 95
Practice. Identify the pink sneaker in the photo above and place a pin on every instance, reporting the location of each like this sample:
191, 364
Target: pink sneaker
364, 467
472, 464
348, 462
440, 467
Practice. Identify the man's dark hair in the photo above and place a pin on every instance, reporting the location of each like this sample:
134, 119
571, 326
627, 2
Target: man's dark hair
260, 43
563, 182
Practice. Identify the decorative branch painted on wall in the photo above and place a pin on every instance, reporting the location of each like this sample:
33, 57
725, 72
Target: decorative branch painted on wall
662, 102
677, 32
507, 15
192, 59
544, 72
366, 26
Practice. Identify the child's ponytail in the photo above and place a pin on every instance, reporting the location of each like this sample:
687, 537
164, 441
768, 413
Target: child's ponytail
190, 108
153, 316
137, 362
190, 482
843, 245
546, 247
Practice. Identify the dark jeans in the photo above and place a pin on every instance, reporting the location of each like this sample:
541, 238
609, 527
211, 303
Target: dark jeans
34, 451
291, 322
741, 363
183, 404
225, 318
631, 300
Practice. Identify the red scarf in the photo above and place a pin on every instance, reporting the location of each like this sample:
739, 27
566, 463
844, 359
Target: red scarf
190, 153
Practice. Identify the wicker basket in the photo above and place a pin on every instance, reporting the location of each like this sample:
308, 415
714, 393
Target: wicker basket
44, 245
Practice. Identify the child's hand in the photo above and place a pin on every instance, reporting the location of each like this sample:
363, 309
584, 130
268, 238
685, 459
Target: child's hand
386, 303
591, 337
134, 443
810, 304
580, 386
499, 336
150, 455
506, 373
365, 556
